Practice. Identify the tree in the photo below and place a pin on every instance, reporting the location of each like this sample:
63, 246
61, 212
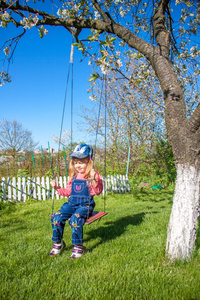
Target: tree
151, 29
132, 119
14, 138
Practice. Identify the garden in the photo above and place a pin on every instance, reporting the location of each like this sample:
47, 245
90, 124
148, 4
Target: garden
124, 258
144, 91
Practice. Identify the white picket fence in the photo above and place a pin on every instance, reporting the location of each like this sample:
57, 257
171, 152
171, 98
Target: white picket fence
20, 189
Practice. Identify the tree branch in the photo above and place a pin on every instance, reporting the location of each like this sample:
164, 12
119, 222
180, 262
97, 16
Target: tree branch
161, 34
101, 12
132, 40
17, 8
138, 88
193, 123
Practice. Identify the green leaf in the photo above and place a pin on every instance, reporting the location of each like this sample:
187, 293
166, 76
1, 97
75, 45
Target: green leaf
103, 43
113, 39
41, 34
94, 77
139, 55
138, 81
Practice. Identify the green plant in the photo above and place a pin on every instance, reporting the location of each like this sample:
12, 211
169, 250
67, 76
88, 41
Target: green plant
23, 173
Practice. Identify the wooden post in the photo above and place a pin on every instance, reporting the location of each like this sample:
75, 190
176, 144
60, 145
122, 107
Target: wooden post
24, 196
9, 189
19, 188
38, 188
48, 188
34, 188
4, 189
14, 189
43, 188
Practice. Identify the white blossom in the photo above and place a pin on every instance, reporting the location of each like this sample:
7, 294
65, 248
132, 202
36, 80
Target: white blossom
5, 15
192, 49
104, 70
122, 43
96, 15
64, 13
35, 19
6, 51
29, 22
93, 97
77, 7
122, 12
119, 62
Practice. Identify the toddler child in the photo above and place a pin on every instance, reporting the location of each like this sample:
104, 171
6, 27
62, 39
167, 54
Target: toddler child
83, 184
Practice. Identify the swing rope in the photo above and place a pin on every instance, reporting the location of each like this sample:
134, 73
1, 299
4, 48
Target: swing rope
63, 112
95, 215
64, 104
105, 141
98, 120
72, 89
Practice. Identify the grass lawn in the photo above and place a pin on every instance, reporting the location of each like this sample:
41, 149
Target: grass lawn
125, 256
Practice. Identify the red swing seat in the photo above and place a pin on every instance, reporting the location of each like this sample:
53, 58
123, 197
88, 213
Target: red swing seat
95, 216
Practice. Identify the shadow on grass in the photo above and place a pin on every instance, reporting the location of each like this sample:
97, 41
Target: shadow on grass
155, 196
112, 230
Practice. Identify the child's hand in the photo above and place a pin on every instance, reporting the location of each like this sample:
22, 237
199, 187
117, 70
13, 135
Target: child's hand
53, 184
92, 174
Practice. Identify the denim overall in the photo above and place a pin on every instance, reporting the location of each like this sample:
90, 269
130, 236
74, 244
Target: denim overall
79, 206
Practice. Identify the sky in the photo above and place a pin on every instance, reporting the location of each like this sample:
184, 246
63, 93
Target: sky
35, 96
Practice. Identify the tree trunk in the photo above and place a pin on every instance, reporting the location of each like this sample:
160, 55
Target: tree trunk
185, 212
183, 136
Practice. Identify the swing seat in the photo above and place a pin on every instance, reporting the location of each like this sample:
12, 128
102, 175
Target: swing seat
95, 216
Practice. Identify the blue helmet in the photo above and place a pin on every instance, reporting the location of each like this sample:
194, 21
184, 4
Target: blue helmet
82, 151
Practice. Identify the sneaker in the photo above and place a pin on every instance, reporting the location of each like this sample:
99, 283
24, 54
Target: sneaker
57, 248
77, 252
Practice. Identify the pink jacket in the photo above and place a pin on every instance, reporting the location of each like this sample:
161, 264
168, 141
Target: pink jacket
94, 190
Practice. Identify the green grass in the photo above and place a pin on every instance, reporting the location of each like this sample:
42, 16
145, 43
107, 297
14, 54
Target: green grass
125, 257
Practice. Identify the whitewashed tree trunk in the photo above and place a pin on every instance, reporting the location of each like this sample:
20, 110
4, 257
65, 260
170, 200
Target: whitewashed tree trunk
185, 212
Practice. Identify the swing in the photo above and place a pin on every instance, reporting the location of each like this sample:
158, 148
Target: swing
96, 215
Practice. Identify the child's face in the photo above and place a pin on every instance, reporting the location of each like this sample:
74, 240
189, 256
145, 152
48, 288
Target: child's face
80, 165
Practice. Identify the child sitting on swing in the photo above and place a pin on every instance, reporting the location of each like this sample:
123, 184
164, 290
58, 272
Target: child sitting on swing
84, 183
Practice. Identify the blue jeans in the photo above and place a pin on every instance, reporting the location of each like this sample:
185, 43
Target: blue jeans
76, 215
